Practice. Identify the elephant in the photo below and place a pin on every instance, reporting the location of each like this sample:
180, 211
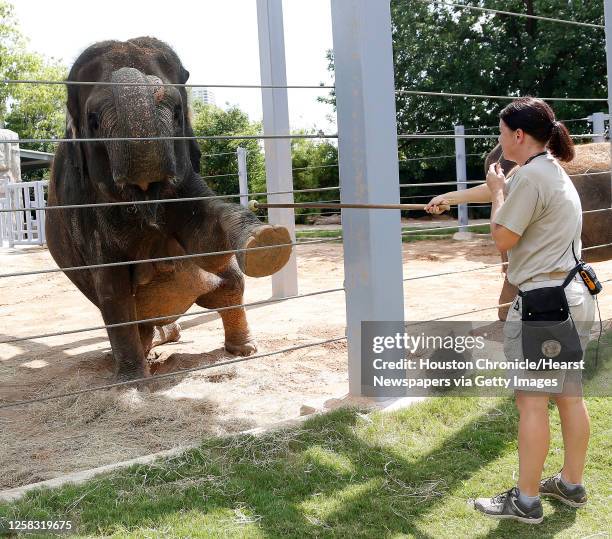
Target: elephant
143, 173
590, 174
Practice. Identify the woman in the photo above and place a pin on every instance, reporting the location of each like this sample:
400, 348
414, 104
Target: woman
535, 217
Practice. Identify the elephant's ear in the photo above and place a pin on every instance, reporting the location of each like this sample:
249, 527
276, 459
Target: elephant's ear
74, 150
195, 153
184, 75
194, 149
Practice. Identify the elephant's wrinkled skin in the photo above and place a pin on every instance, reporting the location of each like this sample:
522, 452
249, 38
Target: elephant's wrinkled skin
114, 171
595, 192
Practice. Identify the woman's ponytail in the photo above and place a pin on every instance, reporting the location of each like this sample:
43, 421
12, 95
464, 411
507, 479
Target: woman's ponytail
560, 143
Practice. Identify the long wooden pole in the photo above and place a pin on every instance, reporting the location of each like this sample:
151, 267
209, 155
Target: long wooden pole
254, 206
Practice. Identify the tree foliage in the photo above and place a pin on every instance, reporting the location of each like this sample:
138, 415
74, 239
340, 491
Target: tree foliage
34, 111
11, 43
446, 49
219, 163
315, 165
37, 111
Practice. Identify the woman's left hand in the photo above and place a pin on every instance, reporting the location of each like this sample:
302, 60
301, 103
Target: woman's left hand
496, 180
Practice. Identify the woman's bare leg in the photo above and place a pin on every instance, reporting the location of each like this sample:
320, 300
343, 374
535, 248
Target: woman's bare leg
533, 440
576, 429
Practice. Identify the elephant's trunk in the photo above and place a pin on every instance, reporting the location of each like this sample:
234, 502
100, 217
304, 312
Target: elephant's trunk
138, 116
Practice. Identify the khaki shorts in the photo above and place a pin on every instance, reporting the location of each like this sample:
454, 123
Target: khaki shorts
582, 308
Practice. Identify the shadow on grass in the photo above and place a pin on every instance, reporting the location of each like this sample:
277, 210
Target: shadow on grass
562, 518
323, 478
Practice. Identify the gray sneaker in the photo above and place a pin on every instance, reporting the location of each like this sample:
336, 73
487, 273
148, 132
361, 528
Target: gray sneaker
554, 487
507, 505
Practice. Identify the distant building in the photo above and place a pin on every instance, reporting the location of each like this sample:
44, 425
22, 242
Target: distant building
204, 95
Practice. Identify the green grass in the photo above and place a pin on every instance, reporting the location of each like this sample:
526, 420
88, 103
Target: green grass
343, 474
430, 235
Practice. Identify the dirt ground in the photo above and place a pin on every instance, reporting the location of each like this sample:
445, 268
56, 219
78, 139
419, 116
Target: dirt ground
44, 440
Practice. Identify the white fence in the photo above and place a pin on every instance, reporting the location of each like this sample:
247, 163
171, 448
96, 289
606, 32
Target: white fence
27, 226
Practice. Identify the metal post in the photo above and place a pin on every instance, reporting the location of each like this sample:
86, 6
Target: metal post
13, 217
40, 214
461, 167
368, 165
608, 20
598, 119
243, 179
276, 122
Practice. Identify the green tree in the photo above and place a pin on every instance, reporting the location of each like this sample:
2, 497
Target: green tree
34, 111
315, 165
446, 49
11, 43
219, 163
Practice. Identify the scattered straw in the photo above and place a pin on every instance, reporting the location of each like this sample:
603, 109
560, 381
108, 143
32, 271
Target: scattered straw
94, 429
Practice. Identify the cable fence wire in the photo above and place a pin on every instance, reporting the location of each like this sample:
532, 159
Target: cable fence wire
166, 317
455, 182
453, 156
160, 259
454, 272
257, 137
315, 166
165, 200
485, 267
435, 184
220, 175
408, 232
505, 97
462, 314
169, 374
468, 136
513, 14
169, 84
442, 131
195, 137
597, 246
222, 153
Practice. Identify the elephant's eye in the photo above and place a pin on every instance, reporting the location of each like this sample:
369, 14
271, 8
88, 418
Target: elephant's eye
178, 114
93, 121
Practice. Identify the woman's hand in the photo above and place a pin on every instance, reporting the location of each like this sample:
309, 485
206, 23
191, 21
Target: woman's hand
496, 180
433, 206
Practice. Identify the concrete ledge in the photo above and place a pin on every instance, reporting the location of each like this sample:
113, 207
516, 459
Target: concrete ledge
463, 236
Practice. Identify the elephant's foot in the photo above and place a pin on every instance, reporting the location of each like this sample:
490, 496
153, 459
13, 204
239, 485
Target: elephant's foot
241, 349
130, 371
164, 334
262, 262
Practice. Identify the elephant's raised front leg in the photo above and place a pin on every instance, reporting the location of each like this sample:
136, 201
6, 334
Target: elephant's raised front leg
218, 226
238, 337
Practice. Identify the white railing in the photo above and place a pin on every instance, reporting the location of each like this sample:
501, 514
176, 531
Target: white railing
25, 227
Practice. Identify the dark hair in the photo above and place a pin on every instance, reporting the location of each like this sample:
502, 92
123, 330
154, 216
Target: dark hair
537, 119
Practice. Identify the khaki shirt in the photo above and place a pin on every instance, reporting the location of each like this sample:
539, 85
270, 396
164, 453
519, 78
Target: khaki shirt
543, 207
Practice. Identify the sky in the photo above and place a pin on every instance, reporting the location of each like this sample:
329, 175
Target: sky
215, 39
